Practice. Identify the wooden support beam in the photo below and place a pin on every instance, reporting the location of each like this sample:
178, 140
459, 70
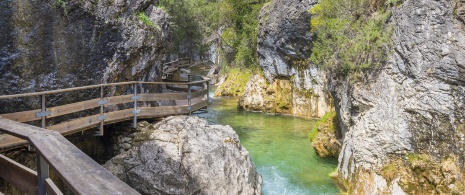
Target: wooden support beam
163, 111
163, 96
73, 107
24, 116
18, 175
200, 93
115, 100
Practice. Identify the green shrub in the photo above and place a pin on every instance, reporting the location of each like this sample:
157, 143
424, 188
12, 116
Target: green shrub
146, 20
352, 35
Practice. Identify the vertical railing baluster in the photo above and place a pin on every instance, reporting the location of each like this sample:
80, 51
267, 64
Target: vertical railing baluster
189, 99
42, 98
208, 94
135, 111
101, 110
42, 173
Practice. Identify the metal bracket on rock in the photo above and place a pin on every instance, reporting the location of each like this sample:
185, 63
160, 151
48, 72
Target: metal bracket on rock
136, 97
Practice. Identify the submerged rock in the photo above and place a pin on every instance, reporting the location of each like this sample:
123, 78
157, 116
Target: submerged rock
185, 155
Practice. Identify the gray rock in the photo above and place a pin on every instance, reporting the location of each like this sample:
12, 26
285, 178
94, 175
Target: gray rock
284, 44
284, 36
47, 45
414, 103
185, 155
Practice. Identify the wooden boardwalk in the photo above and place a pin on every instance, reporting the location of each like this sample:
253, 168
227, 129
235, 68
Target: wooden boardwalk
80, 173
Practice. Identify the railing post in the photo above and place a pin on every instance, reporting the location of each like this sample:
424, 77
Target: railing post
208, 94
43, 115
101, 102
135, 111
42, 173
189, 99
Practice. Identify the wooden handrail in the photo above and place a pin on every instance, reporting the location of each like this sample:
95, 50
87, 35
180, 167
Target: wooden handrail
72, 165
76, 169
97, 86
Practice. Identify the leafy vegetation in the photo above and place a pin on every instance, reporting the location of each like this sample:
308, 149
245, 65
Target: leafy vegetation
235, 22
146, 20
352, 35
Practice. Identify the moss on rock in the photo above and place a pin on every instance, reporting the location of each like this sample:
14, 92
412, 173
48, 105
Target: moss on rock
325, 136
422, 174
234, 84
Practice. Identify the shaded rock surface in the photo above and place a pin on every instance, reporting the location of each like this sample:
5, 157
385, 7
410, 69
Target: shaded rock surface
284, 44
412, 104
48, 45
185, 155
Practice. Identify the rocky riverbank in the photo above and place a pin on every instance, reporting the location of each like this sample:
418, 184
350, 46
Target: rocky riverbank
405, 115
185, 155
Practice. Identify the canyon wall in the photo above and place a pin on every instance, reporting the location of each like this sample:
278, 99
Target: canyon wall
403, 124
47, 45
289, 84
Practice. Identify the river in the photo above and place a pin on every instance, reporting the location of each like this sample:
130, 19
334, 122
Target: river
279, 147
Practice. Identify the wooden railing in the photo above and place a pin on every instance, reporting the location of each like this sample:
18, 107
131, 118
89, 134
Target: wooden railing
80, 172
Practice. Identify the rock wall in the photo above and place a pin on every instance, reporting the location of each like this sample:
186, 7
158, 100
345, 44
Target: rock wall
410, 113
48, 45
284, 44
185, 155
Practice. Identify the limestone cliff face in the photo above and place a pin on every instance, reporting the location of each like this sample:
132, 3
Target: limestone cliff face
408, 116
57, 44
284, 43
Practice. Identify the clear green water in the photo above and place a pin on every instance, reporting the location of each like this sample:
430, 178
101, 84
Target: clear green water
279, 147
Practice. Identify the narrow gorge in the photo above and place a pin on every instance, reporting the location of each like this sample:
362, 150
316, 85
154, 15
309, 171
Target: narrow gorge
305, 97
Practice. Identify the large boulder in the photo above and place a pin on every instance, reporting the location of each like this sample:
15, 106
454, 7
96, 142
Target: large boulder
410, 110
185, 155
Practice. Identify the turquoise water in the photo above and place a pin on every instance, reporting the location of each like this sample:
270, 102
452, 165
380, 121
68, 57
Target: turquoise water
279, 147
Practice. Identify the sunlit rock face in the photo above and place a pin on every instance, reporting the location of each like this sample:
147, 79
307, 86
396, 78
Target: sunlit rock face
185, 155
412, 106
289, 84
48, 45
